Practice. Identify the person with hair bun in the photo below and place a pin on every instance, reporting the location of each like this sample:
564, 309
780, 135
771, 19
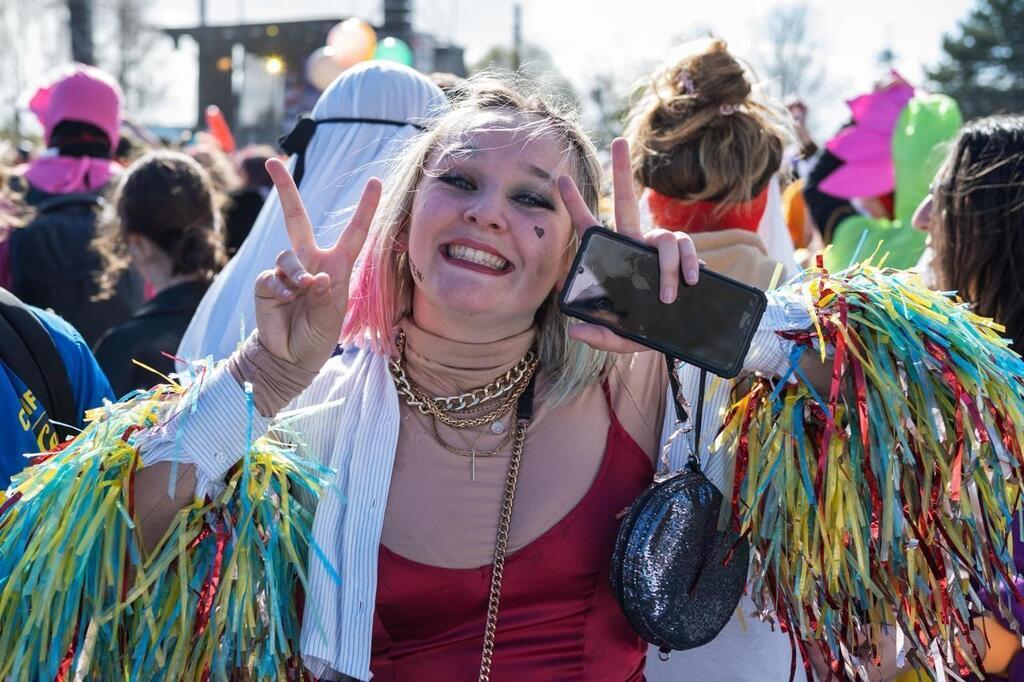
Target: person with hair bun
707, 149
165, 224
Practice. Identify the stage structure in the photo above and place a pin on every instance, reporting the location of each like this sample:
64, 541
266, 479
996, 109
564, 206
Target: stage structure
255, 73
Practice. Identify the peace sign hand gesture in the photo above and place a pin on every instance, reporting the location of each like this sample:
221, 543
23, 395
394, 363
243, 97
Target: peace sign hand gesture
301, 303
676, 253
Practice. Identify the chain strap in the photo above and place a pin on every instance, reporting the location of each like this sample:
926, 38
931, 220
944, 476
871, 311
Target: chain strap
500, 548
501, 386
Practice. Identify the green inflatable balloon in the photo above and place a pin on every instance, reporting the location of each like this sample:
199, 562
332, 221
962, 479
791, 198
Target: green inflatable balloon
919, 143
394, 50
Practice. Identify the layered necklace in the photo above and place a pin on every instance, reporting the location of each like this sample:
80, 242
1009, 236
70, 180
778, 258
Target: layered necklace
495, 400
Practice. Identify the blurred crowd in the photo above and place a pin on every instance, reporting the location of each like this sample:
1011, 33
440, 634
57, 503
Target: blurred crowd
117, 231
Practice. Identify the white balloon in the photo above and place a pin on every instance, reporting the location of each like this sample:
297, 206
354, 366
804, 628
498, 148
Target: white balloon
321, 69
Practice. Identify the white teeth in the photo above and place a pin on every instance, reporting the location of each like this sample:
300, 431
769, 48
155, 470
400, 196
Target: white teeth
465, 253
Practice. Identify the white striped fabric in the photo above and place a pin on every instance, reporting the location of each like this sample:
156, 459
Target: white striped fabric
348, 418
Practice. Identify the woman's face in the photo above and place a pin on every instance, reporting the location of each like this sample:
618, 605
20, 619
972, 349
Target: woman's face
488, 235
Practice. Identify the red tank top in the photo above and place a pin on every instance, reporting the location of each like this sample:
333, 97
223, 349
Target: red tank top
558, 620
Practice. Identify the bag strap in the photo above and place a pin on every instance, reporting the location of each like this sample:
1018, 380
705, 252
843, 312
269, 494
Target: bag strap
28, 348
694, 456
682, 414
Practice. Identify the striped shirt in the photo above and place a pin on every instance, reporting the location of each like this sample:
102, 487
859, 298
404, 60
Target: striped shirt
348, 418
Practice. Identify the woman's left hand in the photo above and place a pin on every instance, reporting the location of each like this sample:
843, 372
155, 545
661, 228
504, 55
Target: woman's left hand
676, 254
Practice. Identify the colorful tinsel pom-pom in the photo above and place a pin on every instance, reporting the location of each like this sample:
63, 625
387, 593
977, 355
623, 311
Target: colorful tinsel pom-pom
876, 509
219, 596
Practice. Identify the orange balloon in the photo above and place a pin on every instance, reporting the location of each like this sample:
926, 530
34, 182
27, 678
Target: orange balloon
352, 41
219, 128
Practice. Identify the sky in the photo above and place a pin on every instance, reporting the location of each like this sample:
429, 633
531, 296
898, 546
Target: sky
618, 37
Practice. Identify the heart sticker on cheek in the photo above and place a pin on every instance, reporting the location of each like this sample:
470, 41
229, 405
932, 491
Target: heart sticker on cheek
539, 231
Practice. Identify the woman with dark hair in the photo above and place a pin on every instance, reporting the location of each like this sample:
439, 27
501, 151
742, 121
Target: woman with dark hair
975, 215
165, 224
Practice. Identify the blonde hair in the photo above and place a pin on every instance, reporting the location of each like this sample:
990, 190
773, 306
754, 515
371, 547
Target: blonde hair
698, 132
381, 292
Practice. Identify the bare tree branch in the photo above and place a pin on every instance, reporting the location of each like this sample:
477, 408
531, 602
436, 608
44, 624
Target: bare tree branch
789, 57
29, 46
80, 24
129, 55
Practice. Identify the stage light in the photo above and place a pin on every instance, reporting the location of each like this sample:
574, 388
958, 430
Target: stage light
224, 64
274, 65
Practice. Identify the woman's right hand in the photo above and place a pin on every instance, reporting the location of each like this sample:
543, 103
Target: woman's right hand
301, 303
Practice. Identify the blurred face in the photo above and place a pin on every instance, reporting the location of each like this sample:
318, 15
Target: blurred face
488, 236
798, 111
923, 214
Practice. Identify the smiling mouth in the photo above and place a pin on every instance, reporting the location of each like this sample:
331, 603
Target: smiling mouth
466, 254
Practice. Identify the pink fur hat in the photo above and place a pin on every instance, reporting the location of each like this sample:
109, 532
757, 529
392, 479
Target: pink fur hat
80, 93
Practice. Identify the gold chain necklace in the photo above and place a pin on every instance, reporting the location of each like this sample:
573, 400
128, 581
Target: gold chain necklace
408, 391
501, 386
467, 423
511, 386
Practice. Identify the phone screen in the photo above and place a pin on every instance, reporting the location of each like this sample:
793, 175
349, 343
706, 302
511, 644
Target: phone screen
615, 283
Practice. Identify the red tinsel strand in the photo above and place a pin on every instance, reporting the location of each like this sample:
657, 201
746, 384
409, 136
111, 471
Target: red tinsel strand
860, 389
7, 504
65, 664
963, 396
925, 546
743, 451
209, 588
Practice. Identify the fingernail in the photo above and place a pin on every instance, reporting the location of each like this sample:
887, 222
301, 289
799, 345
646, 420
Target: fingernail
286, 292
691, 276
668, 294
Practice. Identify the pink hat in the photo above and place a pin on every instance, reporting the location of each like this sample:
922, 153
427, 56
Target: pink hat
866, 146
80, 93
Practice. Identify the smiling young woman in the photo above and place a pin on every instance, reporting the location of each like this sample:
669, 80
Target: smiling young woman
483, 447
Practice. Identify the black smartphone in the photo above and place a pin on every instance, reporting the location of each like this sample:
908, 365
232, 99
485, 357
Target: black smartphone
614, 283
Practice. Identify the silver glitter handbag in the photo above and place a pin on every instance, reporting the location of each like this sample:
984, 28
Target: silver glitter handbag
677, 577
